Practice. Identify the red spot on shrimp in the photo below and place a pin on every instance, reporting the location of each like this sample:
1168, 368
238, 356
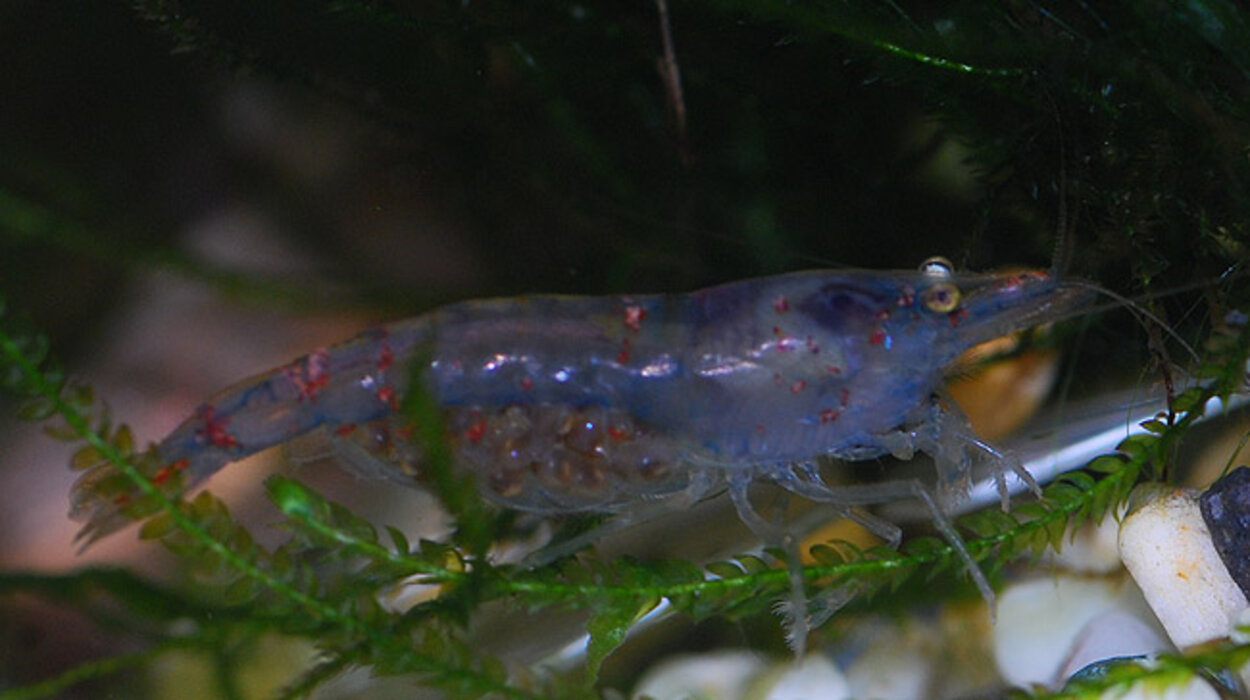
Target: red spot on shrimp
878, 337
623, 356
1010, 284
386, 358
633, 317
527, 383
310, 375
798, 386
163, 474
215, 432
956, 316
617, 433
1016, 281
833, 369
476, 430
908, 296
388, 396
829, 415
781, 304
345, 429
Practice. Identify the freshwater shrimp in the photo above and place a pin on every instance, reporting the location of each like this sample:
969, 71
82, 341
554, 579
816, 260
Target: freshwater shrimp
561, 404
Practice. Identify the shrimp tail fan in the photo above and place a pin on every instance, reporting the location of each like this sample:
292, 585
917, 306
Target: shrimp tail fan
106, 499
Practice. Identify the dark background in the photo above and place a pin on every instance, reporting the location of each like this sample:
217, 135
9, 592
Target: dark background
362, 161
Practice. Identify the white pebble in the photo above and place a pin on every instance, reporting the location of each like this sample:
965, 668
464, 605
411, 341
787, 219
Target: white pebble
813, 676
1165, 545
715, 675
1041, 622
1091, 549
1115, 633
891, 669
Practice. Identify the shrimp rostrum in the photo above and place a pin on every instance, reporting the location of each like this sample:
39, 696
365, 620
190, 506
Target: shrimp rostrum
561, 404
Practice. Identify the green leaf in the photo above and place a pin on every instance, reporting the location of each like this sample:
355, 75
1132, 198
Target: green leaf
156, 527
1106, 464
349, 523
399, 539
608, 627
1188, 400
64, 433
725, 569
1155, 426
753, 564
923, 546
1137, 447
85, 458
123, 440
36, 410
826, 554
1080, 479
293, 498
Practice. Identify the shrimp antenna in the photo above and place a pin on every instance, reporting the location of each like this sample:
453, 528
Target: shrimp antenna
1060, 257
1140, 312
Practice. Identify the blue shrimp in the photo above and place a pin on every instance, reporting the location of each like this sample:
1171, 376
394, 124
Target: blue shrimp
560, 404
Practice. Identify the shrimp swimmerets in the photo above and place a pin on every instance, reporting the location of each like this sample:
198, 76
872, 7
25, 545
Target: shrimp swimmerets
565, 404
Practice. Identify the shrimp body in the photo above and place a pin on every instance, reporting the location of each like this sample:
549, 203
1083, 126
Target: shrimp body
561, 404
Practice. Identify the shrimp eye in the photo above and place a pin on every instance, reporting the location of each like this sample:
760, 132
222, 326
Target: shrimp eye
942, 297
937, 266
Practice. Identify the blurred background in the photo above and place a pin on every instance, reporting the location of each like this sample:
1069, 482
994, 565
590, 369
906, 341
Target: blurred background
194, 192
